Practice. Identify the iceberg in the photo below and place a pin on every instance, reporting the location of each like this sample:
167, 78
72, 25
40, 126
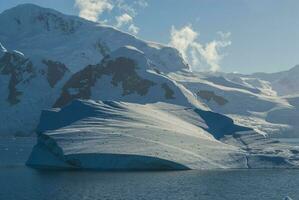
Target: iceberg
110, 135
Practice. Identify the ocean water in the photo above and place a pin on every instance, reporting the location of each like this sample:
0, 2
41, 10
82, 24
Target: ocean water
20, 182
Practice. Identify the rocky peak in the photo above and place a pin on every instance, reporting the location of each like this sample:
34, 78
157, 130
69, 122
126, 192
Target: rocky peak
121, 65
15, 65
55, 71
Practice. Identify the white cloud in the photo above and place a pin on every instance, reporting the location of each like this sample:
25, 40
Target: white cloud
131, 8
123, 19
122, 6
126, 19
200, 56
130, 13
141, 3
133, 29
182, 39
92, 9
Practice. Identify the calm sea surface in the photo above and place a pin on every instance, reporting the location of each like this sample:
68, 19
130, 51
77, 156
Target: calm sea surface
20, 182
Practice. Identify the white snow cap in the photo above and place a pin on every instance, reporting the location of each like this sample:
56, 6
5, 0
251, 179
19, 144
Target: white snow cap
133, 49
127, 51
287, 198
2, 48
19, 53
132, 53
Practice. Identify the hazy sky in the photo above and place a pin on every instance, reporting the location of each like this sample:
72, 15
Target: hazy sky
230, 35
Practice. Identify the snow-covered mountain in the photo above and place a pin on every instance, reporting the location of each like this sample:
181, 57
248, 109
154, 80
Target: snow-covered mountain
134, 94
55, 46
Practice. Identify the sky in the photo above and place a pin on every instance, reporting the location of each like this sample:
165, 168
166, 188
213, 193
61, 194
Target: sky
242, 36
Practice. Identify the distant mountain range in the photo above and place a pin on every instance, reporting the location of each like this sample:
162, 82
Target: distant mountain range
134, 94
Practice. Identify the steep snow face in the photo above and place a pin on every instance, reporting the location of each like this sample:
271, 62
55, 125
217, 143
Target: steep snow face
124, 136
47, 34
26, 87
124, 75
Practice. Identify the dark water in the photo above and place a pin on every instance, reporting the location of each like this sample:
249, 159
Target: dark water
19, 182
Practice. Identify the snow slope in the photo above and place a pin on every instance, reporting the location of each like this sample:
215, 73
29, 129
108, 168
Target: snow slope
124, 75
248, 106
113, 135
